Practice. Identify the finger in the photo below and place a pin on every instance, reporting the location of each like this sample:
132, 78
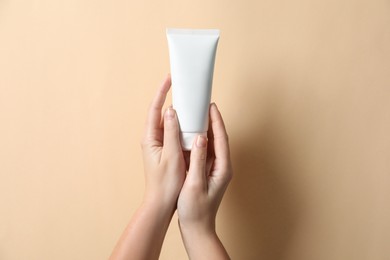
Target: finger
171, 142
153, 122
220, 137
197, 170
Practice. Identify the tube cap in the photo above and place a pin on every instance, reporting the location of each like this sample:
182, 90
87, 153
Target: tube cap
187, 139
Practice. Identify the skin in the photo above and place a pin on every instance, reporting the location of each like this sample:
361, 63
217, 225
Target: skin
209, 174
191, 183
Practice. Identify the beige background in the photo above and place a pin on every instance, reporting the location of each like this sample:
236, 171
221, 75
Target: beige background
304, 87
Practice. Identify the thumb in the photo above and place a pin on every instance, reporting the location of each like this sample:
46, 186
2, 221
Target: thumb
197, 170
171, 133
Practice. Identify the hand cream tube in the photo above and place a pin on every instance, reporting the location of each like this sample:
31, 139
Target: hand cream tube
192, 57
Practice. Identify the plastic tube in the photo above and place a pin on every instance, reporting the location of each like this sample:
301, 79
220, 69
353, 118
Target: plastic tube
192, 58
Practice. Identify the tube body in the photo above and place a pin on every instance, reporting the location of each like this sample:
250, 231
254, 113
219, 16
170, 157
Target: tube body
192, 58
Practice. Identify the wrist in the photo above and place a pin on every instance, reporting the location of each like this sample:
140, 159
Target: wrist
202, 243
197, 231
166, 203
160, 209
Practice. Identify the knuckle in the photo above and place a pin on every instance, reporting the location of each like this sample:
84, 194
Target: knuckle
144, 143
227, 170
227, 177
223, 137
201, 156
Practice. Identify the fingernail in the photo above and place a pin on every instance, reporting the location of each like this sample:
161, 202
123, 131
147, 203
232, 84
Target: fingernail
170, 113
201, 141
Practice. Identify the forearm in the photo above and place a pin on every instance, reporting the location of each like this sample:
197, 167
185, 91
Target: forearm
201, 244
144, 235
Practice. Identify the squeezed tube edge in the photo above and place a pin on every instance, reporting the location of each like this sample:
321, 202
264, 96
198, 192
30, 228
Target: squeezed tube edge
193, 31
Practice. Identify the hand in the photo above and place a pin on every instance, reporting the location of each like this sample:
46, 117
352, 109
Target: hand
209, 174
164, 163
165, 170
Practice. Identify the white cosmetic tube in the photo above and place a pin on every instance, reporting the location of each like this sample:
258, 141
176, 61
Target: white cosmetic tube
192, 58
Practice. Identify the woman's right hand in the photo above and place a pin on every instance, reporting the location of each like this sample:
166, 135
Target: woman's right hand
209, 174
